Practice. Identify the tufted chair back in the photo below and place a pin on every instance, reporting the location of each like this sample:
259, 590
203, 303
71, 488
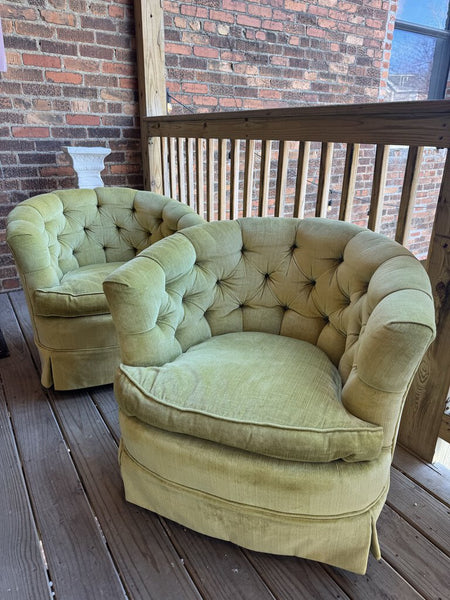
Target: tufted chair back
82, 227
360, 297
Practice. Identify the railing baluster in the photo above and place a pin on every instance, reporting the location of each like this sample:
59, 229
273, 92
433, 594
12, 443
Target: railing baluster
234, 184
409, 189
348, 183
323, 191
248, 177
165, 166
181, 171
378, 185
190, 171
210, 179
264, 177
200, 157
283, 155
222, 179
173, 169
302, 178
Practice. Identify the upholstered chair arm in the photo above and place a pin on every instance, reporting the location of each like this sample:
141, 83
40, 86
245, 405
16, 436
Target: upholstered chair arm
392, 342
28, 240
153, 286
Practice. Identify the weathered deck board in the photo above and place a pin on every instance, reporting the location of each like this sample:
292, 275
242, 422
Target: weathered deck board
289, 577
78, 560
424, 566
429, 516
98, 545
19, 542
435, 479
219, 569
149, 570
381, 582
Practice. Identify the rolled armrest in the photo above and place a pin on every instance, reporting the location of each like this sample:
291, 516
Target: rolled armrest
146, 299
391, 346
28, 241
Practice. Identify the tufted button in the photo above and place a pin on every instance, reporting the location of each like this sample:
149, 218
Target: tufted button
218, 282
294, 247
285, 307
326, 319
312, 281
267, 276
341, 259
242, 305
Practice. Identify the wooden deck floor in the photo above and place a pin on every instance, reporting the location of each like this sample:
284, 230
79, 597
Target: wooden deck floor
66, 531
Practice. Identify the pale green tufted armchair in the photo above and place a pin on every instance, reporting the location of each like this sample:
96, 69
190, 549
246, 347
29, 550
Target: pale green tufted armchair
64, 244
265, 364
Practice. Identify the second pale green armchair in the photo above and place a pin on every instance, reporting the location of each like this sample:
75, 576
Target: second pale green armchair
265, 363
64, 244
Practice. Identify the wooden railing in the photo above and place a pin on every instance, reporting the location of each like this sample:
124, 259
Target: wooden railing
366, 163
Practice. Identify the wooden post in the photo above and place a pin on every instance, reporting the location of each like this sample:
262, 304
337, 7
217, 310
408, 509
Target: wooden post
422, 416
152, 83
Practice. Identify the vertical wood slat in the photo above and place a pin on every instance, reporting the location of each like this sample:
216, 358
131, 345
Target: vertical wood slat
222, 179
165, 166
425, 404
182, 193
200, 157
378, 186
248, 177
323, 191
190, 171
149, 20
348, 183
210, 179
408, 196
264, 178
283, 156
234, 175
304, 150
173, 169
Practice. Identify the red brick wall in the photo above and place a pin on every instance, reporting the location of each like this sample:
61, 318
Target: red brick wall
71, 76
71, 80
233, 54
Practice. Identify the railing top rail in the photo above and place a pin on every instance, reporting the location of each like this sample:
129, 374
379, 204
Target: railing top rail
424, 123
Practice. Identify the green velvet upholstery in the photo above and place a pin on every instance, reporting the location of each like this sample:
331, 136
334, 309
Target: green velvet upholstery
265, 363
65, 243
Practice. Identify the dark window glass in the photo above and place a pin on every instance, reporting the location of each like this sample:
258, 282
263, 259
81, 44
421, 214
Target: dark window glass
432, 13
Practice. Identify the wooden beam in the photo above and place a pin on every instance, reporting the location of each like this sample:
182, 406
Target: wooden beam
422, 416
151, 82
404, 123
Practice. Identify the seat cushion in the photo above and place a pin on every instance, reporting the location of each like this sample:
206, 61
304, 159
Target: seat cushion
80, 293
260, 392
